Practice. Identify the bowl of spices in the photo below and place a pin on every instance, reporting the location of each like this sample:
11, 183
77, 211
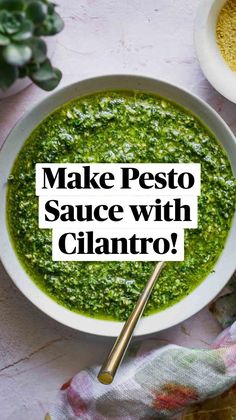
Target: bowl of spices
215, 39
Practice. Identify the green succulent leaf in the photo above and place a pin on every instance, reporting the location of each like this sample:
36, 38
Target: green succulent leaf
39, 50
46, 76
20, 16
43, 71
4, 40
10, 26
51, 8
8, 75
25, 31
12, 4
52, 25
10, 22
3, 17
17, 54
50, 83
36, 11
57, 24
23, 72
22, 51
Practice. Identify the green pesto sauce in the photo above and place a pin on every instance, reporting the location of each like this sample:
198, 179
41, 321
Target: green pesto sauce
124, 127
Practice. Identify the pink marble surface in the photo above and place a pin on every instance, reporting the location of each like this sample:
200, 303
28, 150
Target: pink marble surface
153, 38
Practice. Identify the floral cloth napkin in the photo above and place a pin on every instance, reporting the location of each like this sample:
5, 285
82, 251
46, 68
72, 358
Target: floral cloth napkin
155, 383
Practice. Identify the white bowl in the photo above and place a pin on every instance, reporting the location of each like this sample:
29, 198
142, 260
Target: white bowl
213, 65
191, 304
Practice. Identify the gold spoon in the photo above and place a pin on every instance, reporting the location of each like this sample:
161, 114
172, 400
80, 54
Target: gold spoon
111, 364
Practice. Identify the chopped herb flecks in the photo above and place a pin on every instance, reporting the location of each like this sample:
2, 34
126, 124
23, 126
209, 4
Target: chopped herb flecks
127, 127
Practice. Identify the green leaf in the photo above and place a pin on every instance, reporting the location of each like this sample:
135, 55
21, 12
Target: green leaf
17, 54
12, 4
10, 22
23, 72
51, 8
43, 72
8, 75
20, 16
39, 50
57, 23
36, 11
4, 40
3, 16
25, 31
44, 29
10, 28
52, 25
50, 83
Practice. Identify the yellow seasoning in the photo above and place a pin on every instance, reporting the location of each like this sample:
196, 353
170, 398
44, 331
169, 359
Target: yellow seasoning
226, 33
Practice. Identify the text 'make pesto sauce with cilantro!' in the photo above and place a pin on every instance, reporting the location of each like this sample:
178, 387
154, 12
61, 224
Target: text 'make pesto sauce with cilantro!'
122, 127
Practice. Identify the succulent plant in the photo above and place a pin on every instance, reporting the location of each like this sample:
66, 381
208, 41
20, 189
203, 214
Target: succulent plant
23, 51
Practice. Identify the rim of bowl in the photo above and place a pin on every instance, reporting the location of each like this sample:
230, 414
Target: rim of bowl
201, 295
213, 65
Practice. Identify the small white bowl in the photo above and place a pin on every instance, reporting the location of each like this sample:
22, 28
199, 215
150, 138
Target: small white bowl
213, 65
192, 303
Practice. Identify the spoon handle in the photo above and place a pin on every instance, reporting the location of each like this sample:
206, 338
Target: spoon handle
111, 364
